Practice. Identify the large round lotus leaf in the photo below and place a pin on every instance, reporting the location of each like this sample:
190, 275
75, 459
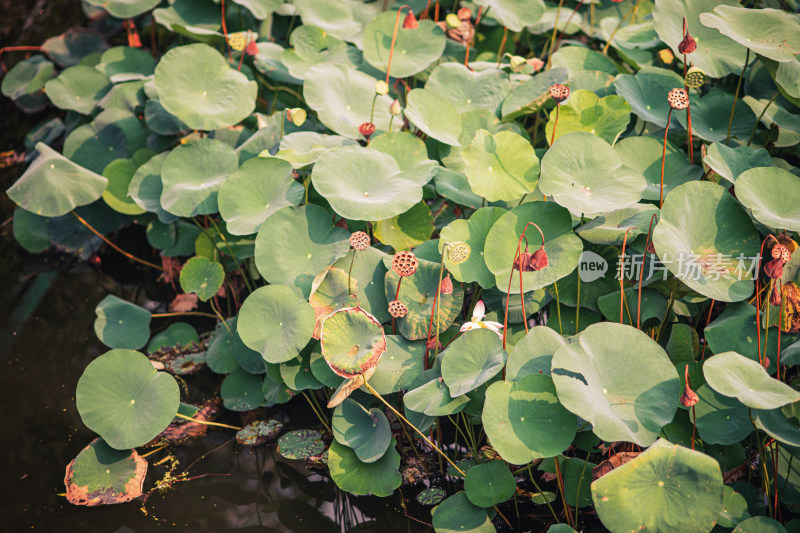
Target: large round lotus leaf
585, 111
342, 98
305, 147
350, 474
731, 162
710, 115
782, 427
364, 184
471, 360
95, 145
646, 92
73, 45
529, 96
737, 376
219, 355
125, 9
369, 273
416, 293
598, 82
399, 366
313, 46
467, 89
773, 195
734, 508
296, 243
514, 14
643, 154
276, 322
414, 49
78, 88
27, 77
275, 392
458, 515
577, 475
471, 122
666, 488
119, 174
192, 175
407, 230
121, 324
123, 63
584, 174
489, 483
121, 397
433, 397
241, 391
197, 85
472, 231
301, 444
620, 380
146, 187
707, 240
611, 227
352, 341
409, 152
268, 62
366, 432
720, 419
768, 32
579, 58
332, 290
434, 115
502, 166
344, 19
736, 330
30, 231
563, 247
181, 334
716, 54
261, 186
53, 185
533, 354
202, 277
198, 19
759, 524
101, 475
455, 186
524, 420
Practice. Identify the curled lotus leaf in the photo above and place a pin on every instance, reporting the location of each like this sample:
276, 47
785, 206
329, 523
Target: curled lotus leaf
352, 341
101, 475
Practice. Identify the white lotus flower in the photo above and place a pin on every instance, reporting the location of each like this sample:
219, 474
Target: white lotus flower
477, 321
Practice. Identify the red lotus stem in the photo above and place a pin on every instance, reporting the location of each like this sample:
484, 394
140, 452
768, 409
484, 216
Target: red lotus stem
708, 321
469, 41
424, 13
436, 12
694, 425
641, 272
688, 105
225, 31
663, 158
114, 246
502, 46
561, 35
511, 277
396, 296
780, 314
16, 49
758, 298
553, 137
622, 275
394, 40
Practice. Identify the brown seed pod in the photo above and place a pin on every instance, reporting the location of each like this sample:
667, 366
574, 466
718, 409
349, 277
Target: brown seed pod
405, 263
678, 99
447, 285
774, 269
397, 309
776, 251
539, 259
775, 296
786, 255
559, 92
410, 22
359, 240
689, 397
366, 129
523, 262
687, 45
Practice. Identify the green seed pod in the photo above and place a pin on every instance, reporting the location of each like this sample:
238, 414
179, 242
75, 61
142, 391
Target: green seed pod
695, 78
458, 252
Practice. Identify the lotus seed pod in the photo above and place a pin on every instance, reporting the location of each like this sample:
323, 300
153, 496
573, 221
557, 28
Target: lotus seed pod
359, 240
381, 87
296, 115
687, 45
689, 397
366, 129
410, 22
678, 99
559, 92
238, 40
452, 20
458, 252
539, 259
776, 251
695, 78
405, 263
464, 13
397, 309
775, 296
523, 262
786, 255
395, 109
447, 285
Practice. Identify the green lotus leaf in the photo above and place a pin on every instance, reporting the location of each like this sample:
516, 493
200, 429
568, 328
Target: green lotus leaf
759, 524
181, 334
352, 341
707, 240
467, 89
407, 230
489, 483
472, 231
720, 419
595, 81
618, 379
455, 187
274, 392
717, 55
258, 432
296, 243
196, 84
121, 397
458, 515
651, 491
296, 373
101, 475
471, 122
768, 32
332, 290
275, 322
364, 184
756, 188
514, 14
416, 293
123, 63
260, 9
146, 187
197, 19
533, 354
125, 9
368, 272
708, 121
734, 508
735, 330
524, 420
27, 78
119, 174
434, 115
502, 166
192, 175
584, 174
350, 474
268, 62
303, 148
255, 191
53, 185
585, 111
529, 96
577, 475
313, 46
78, 88
731, 162
342, 98
365, 431
778, 425
344, 19
471, 360
646, 92
414, 49
30, 231
301, 444
433, 398
737, 376
121, 324
241, 391
399, 366
654, 305
683, 345
579, 58
73, 45
643, 154
612, 226
95, 145
202, 277
788, 124
409, 152
563, 247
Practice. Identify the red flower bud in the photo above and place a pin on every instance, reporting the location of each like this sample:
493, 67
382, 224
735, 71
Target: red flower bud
689, 397
252, 48
447, 285
687, 45
410, 22
539, 259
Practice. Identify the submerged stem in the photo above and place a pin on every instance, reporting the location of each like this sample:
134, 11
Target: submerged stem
114, 246
206, 423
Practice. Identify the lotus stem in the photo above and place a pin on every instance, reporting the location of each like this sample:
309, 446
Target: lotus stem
578, 304
694, 425
780, 317
394, 39
578, 493
396, 297
230, 252
558, 308
114, 246
206, 423
225, 30
632, 12
758, 298
350, 273
663, 159
760, 116
641, 274
314, 405
560, 481
688, 104
736, 97
435, 308
391, 119
219, 316
622, 276
564, 30
553, 37
469, 41
539, 490
555, 125
372, 112
511, 277
185, 313
502, 46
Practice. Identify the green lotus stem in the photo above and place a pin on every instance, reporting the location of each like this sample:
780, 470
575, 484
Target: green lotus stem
578, 305
185, 313
206, 423
553, 38
560, 481
313, 408
622, 275
539, 490
632, 12
758, 120
641, 274
736, 97
391, 119
578, 492
151, 452
245, 275
114, 246
219, 316
372, 112
670, 303
663, 159
435, 308
502, 46
555, 125
283, 121
558, 308
350, 273
566, 24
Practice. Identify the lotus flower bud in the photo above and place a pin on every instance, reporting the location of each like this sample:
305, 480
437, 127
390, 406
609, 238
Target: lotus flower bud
296, 115
366, 129
536, 64
687, 45
775, 296
381, 87
252, 48
397, 309
774, 269
447, 285
689, 397
405, 263
458, 252
452, 20
359, 240
410, 22
678, 99
539, 259
395, 109
559, 92
433, 344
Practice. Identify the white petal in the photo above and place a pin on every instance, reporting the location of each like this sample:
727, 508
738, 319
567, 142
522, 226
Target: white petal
493, 325
479, 311
469, 326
